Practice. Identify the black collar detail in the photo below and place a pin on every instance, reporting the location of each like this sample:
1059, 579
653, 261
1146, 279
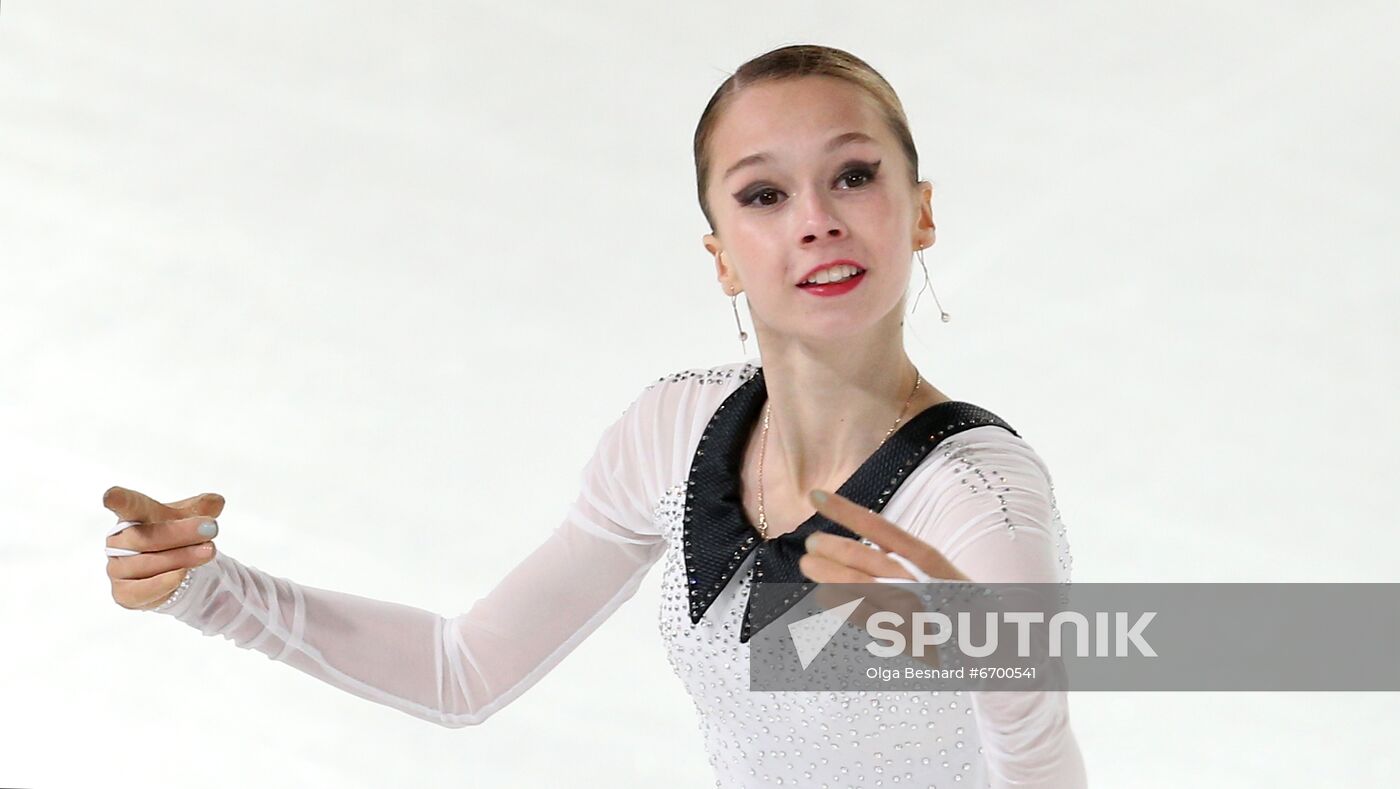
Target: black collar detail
717, 535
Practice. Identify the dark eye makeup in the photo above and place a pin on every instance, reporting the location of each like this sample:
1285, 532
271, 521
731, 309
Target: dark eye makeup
854, 168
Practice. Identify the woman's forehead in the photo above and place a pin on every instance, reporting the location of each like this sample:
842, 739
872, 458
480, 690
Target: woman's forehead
786, 116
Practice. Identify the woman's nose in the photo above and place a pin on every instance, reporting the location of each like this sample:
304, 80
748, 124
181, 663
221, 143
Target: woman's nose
833, 232
818, 220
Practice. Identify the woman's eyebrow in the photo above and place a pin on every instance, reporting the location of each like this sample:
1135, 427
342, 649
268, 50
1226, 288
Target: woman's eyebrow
835, 142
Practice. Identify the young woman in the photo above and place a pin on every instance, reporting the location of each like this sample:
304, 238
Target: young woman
807, 173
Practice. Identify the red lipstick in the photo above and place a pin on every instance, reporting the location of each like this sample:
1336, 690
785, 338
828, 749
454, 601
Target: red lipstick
833, 288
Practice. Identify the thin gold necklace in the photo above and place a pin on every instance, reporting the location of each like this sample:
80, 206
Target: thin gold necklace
763, 448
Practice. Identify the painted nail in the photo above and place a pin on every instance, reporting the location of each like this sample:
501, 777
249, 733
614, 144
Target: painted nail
818, 495
208, 528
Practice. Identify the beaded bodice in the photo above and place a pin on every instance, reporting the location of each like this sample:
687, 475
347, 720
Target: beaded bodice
799, 738
793, 738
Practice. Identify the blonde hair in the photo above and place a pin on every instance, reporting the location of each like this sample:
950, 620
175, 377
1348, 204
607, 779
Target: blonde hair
790, 62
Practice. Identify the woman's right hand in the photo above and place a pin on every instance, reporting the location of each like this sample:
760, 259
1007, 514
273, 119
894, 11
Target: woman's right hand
167, 540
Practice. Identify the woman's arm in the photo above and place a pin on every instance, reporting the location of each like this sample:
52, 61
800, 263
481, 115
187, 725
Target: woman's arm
456, 671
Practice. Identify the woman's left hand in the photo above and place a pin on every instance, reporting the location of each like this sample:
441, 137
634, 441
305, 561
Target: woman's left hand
834, 559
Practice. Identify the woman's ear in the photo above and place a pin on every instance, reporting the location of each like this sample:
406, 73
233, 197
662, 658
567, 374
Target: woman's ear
726, 275
924, 229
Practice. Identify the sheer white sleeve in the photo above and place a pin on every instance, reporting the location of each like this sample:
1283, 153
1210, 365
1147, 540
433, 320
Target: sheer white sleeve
458, 671
988, 505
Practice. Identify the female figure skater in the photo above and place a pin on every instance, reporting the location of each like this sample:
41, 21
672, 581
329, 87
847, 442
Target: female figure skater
807, 174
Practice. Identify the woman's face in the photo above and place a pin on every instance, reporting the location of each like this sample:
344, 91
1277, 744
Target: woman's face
830, 182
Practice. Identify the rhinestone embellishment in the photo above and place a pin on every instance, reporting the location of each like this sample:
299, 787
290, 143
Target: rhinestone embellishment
819, 738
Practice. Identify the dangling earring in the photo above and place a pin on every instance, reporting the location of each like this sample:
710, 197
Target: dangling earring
743, 335
946, 317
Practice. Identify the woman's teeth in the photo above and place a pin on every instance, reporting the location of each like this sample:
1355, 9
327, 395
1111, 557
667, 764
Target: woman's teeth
833, 274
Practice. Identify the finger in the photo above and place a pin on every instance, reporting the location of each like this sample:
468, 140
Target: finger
826, 571
147, 565
164, 535
885, 534
911, 570
210, 504
831, 595
854, 554
203, 503
864, 522
117, 528
143, 593
129, 505
132, 506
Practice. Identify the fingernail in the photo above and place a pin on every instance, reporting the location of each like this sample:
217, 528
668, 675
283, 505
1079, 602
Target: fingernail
818, 495
208, 529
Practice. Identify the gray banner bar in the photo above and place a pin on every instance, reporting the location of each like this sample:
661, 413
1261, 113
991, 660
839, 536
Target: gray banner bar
1130, 636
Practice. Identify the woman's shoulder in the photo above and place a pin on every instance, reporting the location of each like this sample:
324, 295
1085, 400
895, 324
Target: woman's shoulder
990, 453
983, 462
718, 377
677, 403
987, 485
693, 393
658, 433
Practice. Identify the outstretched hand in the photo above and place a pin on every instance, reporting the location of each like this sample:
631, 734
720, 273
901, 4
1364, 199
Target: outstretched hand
166, 540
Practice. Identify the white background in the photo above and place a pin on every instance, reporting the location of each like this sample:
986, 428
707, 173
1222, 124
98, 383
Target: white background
381, 273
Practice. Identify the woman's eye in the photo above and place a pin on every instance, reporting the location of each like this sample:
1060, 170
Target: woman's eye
758, 194
864, 173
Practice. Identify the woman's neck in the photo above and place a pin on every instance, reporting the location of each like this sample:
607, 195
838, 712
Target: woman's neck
829, 413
